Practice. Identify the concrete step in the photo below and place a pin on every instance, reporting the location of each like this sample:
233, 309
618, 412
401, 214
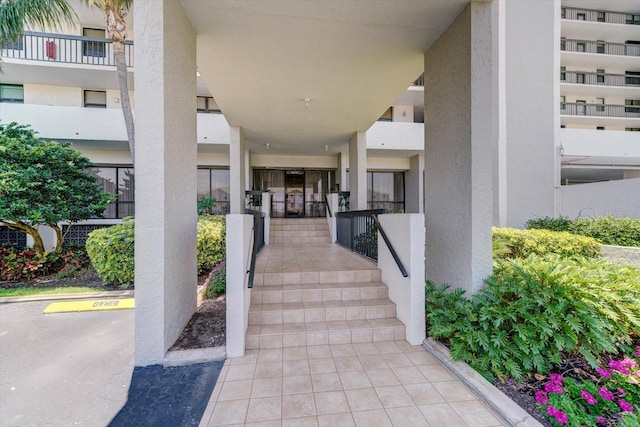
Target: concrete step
326, 311
322, 333
307, 277
292, 240
319, 292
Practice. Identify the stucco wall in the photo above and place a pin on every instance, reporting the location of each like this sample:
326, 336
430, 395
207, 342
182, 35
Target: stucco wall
619, 198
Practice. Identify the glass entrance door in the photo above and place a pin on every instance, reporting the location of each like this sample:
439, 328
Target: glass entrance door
294, 193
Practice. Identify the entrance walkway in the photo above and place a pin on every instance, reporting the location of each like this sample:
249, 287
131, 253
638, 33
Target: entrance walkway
324, 348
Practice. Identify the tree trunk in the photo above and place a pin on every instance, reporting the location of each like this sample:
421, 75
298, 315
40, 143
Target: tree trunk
59, 237
38, 244
121, 66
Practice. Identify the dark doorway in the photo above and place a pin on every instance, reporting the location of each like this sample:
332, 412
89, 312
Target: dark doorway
294, 193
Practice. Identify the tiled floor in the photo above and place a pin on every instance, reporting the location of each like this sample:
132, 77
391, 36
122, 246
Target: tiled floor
370, 384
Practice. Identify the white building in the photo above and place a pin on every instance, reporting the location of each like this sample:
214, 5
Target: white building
301, 100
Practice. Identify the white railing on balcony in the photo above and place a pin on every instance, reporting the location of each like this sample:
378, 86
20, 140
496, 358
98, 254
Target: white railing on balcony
601, 79
607, 48
591, 15
599, 110
65, 49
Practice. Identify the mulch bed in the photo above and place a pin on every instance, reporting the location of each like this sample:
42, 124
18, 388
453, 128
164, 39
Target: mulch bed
83, 278
207, 327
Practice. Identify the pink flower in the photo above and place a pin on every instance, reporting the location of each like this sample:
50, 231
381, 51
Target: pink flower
604, 372
556, 378
552, 387
618, 365
601, 420
551, 410
621, 392
561, 417
542, 397
638, 350
625, 406
605, 393
588, 397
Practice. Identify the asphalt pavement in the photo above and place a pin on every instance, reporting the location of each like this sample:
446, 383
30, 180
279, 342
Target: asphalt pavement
77, 369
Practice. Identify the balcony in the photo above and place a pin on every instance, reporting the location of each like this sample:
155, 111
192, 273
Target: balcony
600, 47
591, 15
66, 49
599, 110
600, 79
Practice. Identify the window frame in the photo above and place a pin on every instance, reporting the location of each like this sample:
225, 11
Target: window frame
11, 100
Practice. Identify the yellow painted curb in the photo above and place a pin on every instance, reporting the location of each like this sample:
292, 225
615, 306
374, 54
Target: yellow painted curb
90, 305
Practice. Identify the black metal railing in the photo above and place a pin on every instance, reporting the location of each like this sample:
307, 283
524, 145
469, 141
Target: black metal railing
357, 231
393, 252
601, 79
601, 110
65, 48
607, 48
592, 15
257, 242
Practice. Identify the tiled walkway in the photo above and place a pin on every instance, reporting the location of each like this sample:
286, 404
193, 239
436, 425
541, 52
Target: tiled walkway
371, 384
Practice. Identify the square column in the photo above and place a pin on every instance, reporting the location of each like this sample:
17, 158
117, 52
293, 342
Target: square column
459, 150
341, 173
166, 152
414, 185
358, 171
237, 169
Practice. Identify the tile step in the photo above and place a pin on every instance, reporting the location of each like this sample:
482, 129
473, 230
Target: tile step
300, 239
311, 312
306, 277
298, 227
318, 292
322, 333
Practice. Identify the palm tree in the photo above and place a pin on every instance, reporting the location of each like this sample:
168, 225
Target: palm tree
115, 12
15, 14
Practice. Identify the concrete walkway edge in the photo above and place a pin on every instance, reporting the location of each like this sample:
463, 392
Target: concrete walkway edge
195, 355
83, 295
506, 408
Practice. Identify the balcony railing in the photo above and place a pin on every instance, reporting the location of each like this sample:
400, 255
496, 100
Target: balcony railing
419, 81
65, 49
600, 16
601, 79
599, 110
607, 48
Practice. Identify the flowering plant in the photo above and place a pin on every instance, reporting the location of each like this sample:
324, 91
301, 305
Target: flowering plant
614, 396
216, 282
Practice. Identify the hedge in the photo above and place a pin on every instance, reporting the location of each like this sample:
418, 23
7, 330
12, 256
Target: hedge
112, 249
515, 243
607, 229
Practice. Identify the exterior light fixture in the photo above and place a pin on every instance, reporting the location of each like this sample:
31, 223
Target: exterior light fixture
326, 148
267, 145
306, 102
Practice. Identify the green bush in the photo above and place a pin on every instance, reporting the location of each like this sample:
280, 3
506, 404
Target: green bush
111, 251
547, 223
536, 308
216, 283
609, 230
513, 243
212, 247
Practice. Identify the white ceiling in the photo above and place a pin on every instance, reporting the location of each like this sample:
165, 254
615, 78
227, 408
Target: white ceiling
352, 59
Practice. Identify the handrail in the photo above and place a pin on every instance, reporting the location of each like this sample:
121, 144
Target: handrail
326, 201
255, 246
390, 246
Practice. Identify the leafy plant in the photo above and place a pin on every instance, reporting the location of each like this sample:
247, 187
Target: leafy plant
111, 251
206, 205
534, 309
18, 265
561, 223
522, 243
606, 229
44, 183
614, 395
211, 237
216, 283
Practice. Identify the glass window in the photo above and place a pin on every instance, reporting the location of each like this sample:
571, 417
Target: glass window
599, 127
385, 190
601, 17
580, 47
600, 104
600, 75
387, 116
215, 183
12, 93
95, 99
599, 47
121, 182
563, 74
563, 105
207, 104
94, 48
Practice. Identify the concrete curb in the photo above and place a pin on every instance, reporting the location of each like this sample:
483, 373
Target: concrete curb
55, 297
510, 412
196, 355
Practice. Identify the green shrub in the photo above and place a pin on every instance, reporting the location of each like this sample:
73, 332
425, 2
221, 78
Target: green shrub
211, 241
534, 309
111, 251
512, 243
609, 230
216, 283
547, 223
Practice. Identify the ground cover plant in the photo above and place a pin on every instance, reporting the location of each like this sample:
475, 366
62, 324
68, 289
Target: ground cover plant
545, 310
606, 229
28, 264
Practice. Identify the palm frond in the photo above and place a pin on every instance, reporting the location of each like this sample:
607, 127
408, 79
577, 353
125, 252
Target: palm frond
16, 14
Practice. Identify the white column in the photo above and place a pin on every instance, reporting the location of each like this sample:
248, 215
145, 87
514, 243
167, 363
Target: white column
166, 151
358, 171
414, 185
459, 150
341, 173
237, 169
532, 56
266, 210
